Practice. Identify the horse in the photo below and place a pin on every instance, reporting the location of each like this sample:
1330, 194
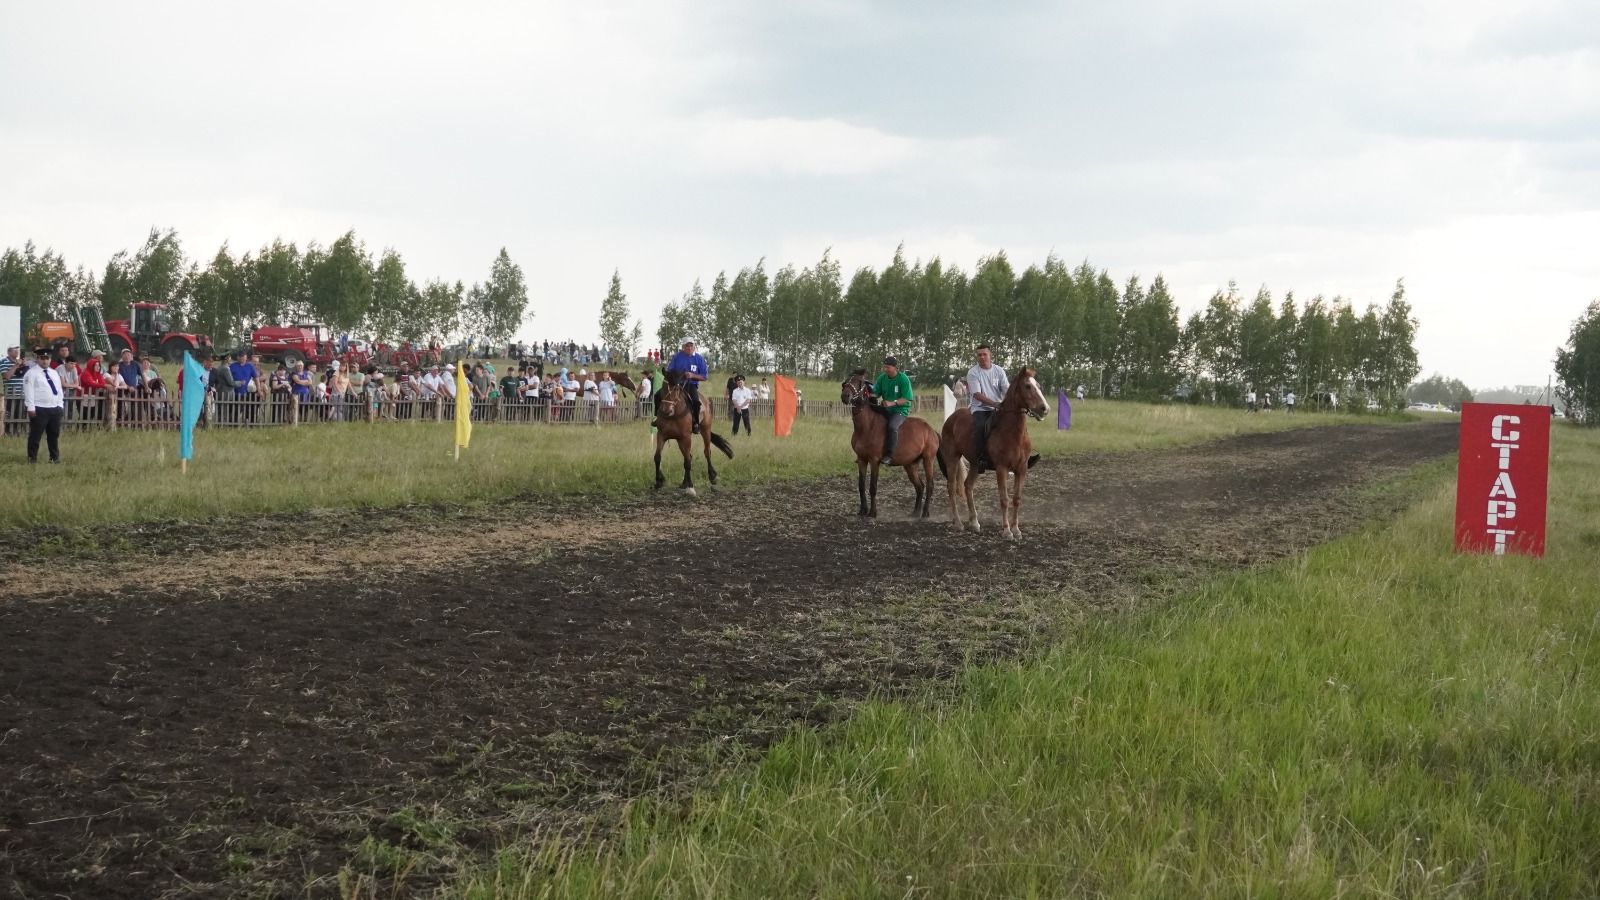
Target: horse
1009, 451
673, 423
918, 443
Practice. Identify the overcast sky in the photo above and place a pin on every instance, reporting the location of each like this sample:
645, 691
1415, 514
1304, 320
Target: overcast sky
1317, 147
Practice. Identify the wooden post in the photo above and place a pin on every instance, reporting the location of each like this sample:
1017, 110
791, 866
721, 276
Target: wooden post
111, 409
294, 409
372, 405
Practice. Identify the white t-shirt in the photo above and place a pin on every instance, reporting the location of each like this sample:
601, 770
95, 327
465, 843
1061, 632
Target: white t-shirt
991, 382
591, 391
763, 392
1250, 397
645, 388
742, 397
608, 393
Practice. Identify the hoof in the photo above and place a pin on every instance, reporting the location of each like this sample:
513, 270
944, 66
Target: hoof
690, 492
976, 528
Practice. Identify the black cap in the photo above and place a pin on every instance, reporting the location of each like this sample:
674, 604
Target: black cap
890, 361
41, 351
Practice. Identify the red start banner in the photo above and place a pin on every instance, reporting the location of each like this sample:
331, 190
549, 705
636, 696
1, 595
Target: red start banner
1502, 478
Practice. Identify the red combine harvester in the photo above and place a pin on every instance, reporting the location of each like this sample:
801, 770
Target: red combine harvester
309, 343
149, 331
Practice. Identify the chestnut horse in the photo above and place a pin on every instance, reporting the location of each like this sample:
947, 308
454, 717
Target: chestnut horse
1008, 449
918, 443
674, 423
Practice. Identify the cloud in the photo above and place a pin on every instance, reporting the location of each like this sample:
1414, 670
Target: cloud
1309, 146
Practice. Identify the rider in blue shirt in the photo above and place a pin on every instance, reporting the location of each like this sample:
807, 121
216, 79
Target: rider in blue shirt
694, 370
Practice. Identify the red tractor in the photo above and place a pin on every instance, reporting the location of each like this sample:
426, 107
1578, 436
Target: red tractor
149, 331
310, 343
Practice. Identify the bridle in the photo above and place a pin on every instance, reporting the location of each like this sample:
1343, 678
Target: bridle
667, 401
856, 391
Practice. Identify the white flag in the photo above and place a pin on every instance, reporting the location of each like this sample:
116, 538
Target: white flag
949, 402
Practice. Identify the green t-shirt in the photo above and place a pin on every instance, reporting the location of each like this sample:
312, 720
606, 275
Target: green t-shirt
891, 389
508, 386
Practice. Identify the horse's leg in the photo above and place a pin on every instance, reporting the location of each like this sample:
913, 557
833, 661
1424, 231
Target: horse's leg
955, 475
916, 485
861, 483
927, 478
1000, 474
711, 470
660, 479
1016, 504
686, 447
872, 489
967, 485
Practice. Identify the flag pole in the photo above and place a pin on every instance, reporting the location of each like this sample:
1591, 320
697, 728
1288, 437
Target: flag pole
183, 466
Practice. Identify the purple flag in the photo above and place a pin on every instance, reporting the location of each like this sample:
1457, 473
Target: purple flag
1063, 411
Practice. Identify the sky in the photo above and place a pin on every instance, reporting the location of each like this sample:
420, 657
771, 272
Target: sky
1319, 147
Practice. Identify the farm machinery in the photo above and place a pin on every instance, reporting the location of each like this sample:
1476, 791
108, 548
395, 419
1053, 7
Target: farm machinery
147, 330
313, 344
310, 343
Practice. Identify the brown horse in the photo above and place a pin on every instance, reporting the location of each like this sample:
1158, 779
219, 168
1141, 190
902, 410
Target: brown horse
674, 423
918, 443
1008, 449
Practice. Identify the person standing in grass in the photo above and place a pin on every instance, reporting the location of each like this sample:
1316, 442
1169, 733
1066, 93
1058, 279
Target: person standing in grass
893, 393
45, 401
740, 401
608, 397
511, 386
300, 384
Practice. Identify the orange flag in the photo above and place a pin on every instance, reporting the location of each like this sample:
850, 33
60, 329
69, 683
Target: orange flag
784, 403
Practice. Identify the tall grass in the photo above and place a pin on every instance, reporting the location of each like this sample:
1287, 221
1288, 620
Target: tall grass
1377, 718
134, 476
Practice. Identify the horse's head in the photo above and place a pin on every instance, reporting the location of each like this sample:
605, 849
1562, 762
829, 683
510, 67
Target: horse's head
670, 402
856, 390
1030, 396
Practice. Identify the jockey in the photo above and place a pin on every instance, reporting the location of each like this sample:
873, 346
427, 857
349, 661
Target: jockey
893, 392
988, 384
692, 367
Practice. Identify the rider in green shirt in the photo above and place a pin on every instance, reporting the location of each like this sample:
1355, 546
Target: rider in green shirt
893, 391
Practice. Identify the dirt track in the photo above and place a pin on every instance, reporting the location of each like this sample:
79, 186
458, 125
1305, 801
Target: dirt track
244, 729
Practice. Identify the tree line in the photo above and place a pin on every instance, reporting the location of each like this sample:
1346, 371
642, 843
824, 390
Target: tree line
1578, 368
340, 285
1074, 324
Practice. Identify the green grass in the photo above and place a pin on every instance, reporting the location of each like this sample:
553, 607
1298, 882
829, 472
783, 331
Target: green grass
1377, 718
134, 476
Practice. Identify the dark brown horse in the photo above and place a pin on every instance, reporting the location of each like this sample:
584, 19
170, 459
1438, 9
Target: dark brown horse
1008, 450
674, 423
918, 443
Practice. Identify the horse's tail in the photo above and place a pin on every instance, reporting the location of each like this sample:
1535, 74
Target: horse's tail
721, 443
944, 470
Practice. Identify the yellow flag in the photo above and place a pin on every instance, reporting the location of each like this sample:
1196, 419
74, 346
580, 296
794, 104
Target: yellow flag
463, 407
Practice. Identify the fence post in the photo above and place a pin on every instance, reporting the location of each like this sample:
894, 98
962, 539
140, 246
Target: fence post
372, 405
111, 409
294, 410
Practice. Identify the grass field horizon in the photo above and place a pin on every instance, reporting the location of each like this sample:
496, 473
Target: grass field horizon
358, 465
1378, 717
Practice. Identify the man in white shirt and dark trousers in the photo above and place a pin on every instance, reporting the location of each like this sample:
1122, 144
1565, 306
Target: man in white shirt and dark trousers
43, 396
740, 399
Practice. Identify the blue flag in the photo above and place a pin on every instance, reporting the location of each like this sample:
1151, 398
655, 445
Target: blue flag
1063, 411
193, 401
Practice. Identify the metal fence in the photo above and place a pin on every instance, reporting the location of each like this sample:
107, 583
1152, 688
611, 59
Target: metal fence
142, 411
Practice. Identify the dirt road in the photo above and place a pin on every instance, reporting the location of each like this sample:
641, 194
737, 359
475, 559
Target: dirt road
251, 721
